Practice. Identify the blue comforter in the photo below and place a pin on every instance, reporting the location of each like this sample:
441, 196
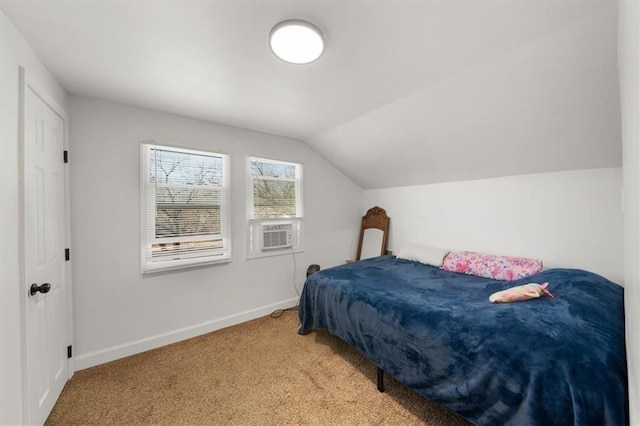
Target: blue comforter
546, 361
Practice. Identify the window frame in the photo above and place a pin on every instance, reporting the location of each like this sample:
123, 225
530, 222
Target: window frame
148, 206
254, 249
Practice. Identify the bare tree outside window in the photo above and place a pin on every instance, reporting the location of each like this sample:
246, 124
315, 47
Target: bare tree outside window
274, 189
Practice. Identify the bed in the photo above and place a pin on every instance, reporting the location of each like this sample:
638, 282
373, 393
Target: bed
547, 361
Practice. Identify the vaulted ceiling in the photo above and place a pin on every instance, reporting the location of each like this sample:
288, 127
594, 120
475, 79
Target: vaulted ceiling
407, 92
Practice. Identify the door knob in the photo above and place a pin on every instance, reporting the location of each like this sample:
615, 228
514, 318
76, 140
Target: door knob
44, 288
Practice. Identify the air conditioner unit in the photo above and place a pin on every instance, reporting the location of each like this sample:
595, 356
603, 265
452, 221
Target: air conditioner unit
277, 236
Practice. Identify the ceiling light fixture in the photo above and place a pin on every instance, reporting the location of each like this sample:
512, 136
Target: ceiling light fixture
296, 41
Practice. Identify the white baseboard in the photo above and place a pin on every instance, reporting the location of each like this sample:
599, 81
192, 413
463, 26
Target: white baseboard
92, 359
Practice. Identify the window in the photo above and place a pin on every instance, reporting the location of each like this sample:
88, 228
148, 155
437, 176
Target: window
275, 207
184, 208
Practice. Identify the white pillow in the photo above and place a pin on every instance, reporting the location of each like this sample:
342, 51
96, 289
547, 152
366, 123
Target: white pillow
428, 255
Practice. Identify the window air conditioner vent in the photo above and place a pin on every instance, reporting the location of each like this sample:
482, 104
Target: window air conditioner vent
277, 236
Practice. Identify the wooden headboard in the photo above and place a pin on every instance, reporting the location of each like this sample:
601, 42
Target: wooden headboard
375, 218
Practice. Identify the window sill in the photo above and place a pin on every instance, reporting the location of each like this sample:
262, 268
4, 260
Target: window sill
275, 252
154, 269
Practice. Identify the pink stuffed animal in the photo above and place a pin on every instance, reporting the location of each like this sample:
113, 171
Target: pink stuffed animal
521, 292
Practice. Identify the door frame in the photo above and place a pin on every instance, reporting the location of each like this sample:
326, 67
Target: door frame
26, 83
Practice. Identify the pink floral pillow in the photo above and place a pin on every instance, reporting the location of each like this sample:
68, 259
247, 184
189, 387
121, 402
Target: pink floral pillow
506, 268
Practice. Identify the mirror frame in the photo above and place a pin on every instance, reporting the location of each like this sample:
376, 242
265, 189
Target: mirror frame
376, 218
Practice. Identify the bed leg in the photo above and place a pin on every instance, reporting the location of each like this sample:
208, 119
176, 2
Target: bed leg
380, 380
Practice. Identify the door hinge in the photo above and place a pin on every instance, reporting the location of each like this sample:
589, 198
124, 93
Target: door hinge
69, 351
67, 254
65, 155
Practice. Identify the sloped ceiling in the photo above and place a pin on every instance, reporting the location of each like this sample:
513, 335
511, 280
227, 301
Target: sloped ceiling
407, 92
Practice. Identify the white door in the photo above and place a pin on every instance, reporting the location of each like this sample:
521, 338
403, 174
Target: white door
44, 257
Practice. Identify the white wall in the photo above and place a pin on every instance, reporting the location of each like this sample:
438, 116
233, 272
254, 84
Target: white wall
10, 302
629, 68
567, 219
15, 53
551, 104
119, 312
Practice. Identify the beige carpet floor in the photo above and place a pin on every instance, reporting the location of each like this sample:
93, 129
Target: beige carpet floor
257, 373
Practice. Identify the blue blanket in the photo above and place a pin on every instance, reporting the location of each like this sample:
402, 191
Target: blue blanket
546, 361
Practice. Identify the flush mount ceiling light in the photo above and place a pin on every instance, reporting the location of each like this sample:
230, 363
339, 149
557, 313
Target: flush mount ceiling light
296, 41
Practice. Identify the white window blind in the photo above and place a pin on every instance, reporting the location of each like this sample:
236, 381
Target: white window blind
184, 208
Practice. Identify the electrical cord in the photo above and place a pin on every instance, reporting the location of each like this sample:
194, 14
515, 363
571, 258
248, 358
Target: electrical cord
278, 312
295, 267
